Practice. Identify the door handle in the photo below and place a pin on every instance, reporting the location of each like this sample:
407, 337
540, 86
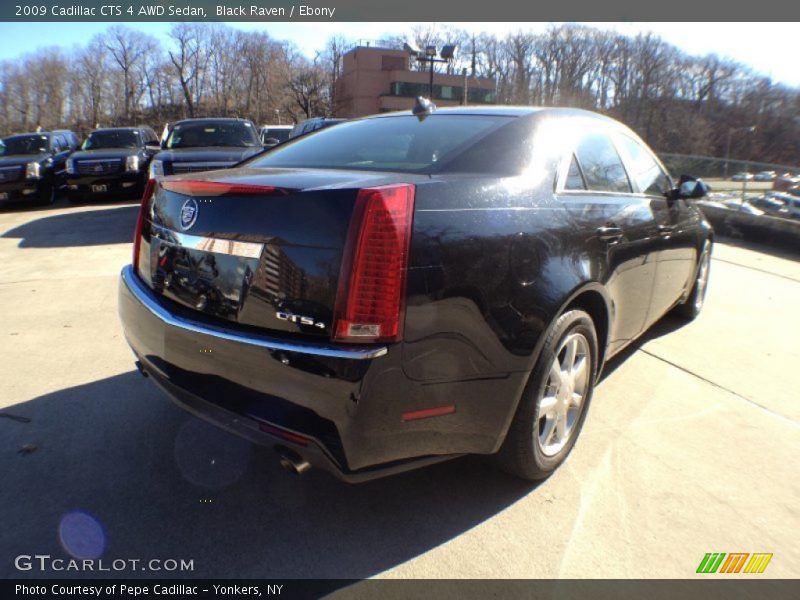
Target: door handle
609, 233
666, 230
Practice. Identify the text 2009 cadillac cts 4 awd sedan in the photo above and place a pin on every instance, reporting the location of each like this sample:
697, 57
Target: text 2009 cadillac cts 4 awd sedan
405, 288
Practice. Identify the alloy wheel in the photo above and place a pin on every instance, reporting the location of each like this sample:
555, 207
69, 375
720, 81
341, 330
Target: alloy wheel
563, 397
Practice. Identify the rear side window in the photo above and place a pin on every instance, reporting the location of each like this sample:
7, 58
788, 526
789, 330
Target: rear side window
401, 143
649, 177
601, 165
574, 176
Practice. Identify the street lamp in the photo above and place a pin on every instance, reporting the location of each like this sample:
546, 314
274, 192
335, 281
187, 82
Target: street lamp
750, 128
447, 55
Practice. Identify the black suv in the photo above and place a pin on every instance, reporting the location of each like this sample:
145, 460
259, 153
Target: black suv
315, 124
205, 144
32, 166
111, 162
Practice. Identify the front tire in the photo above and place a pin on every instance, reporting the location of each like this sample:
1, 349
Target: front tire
553, 405
691, 307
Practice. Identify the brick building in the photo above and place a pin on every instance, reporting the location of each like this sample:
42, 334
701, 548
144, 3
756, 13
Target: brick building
378, 80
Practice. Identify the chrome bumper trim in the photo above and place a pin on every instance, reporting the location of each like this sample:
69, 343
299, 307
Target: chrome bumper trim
146, 297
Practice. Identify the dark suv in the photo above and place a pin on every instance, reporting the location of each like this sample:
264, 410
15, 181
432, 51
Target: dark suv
310, 125
206, 144
32, 166
111, 162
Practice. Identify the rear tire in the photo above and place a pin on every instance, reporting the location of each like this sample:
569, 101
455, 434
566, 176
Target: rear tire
691, 307
553, 405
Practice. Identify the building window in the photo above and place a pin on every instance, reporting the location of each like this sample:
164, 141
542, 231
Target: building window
442, 92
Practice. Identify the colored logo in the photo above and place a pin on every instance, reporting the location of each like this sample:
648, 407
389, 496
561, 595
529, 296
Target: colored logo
188, 213
734, 562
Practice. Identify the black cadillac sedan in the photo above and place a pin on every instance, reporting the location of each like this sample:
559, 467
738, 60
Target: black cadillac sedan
403, 289
195, 145
111, 162
32, 167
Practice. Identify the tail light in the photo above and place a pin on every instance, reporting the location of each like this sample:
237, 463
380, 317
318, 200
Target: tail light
149, 190
370, 300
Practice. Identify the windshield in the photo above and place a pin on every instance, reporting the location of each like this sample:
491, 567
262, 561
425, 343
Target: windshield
281, 134
402, 143
240, 134
25, 144
119, 138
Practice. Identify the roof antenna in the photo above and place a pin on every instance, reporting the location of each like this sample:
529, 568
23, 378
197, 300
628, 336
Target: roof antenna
423, 108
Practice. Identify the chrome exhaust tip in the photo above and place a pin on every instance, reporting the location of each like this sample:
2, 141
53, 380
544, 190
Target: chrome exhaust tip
292, 461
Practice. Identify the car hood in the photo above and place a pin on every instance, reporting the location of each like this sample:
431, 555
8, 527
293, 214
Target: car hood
214, 153
21, 159
104, 153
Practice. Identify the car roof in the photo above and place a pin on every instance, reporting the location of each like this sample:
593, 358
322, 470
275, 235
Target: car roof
44, 133
118, 129
510, 111
211, 120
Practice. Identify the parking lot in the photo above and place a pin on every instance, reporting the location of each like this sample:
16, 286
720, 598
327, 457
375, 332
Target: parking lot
692, 445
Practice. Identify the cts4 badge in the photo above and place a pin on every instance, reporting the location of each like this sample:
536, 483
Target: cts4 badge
299, 319
188, 214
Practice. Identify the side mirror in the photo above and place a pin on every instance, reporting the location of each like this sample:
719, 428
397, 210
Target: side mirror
689, 188
269, 142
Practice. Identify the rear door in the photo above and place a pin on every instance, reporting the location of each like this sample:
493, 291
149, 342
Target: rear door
599, 196
677, 247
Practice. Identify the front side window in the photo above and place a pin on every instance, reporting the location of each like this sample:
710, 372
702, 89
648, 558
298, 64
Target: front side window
649, 177
601, 165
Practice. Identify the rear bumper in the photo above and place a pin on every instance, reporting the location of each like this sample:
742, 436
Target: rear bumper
346, 403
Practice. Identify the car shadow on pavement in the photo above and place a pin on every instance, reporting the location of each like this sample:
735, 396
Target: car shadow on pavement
112, 469
112, 224
666, 325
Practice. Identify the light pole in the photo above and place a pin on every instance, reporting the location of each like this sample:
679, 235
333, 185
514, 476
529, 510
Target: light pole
447, 54
750, 128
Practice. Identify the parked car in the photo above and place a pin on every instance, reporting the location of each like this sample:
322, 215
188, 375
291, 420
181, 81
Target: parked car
743, 176
72, 139
272, 135
785, 182
743, 206
765, 176
32, 167
112, 162
771, 203
406, 290
315, 124
194, 145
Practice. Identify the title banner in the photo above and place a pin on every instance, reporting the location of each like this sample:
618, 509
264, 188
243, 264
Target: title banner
400, 10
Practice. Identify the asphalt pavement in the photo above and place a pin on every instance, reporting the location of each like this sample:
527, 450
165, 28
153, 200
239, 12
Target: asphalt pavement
691, 445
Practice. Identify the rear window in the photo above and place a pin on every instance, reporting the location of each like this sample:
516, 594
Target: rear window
401, 143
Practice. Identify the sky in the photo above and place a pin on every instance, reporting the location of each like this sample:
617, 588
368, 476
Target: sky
768, 48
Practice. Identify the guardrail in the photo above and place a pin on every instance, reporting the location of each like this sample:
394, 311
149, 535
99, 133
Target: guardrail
764, 229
